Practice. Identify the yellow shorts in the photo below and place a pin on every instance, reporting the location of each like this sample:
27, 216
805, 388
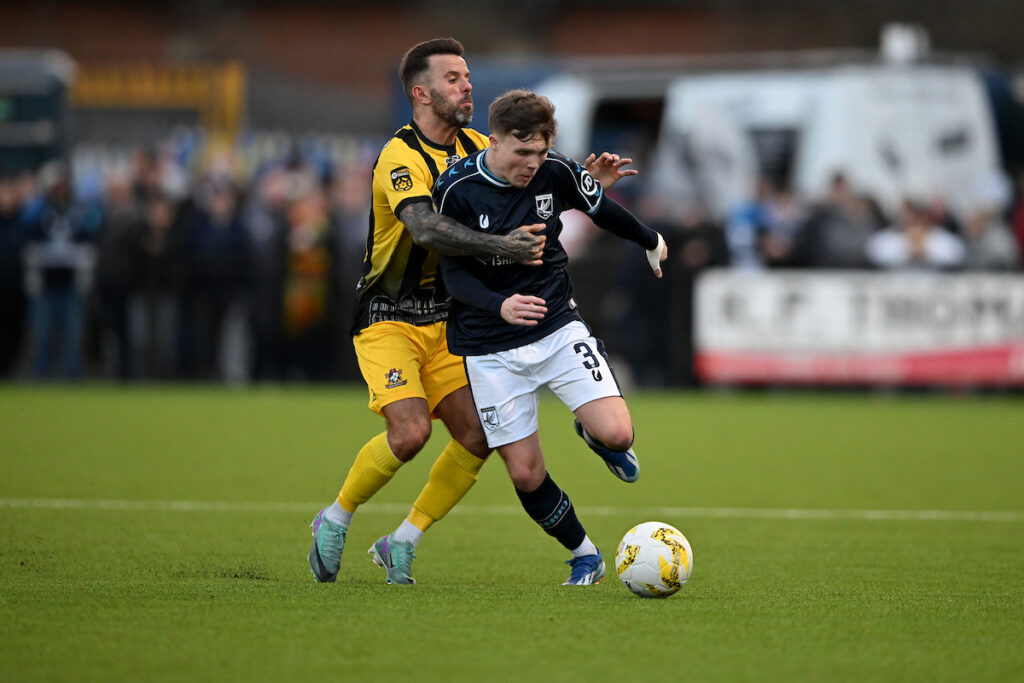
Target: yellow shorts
399, 361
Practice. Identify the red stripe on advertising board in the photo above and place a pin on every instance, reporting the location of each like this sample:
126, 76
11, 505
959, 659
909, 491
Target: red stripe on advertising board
982, 366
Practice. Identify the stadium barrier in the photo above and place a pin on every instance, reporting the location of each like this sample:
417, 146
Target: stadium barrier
860, 328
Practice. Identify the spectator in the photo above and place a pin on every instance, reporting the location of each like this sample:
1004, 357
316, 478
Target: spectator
31, 197
697, 244
349, 207
217, 253
943, 215
988, 240
761, 230
156, 173
13, 304
161, 281
916, 242
308, 278
745, 226
59, 261
117, 263
836, 233
784, 216
266, 221
1017, 217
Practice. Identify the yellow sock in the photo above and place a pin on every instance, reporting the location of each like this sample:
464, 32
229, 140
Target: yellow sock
374, 466
454, 473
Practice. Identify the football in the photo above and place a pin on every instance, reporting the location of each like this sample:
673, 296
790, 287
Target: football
654, 560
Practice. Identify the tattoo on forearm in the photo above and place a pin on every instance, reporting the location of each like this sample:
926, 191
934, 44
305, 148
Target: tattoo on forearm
446, 236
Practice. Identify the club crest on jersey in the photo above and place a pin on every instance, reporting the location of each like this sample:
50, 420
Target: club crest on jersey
545, 206
401, 179
484, 221
394, 378
451, 160
489, 417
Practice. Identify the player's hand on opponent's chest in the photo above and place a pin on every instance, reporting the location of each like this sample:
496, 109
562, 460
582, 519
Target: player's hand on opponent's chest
520, 309
525, 244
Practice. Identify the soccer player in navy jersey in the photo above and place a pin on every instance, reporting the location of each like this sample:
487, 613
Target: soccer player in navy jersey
518, 326
399, 331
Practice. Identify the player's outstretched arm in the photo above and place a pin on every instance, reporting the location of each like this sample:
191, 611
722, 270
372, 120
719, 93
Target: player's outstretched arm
607, 169
442, 234
616, 219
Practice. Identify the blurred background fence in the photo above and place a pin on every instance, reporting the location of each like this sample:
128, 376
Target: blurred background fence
184, 186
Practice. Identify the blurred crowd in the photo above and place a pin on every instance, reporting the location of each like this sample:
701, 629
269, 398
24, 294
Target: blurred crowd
192, 259
849, 229
198, 259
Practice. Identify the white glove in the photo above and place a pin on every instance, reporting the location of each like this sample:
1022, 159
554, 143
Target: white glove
655, 256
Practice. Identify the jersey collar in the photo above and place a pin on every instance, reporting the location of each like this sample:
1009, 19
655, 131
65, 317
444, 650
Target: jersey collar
448, 149
486, 172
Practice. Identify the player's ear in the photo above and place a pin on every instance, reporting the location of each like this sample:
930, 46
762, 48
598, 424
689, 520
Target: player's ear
421, 94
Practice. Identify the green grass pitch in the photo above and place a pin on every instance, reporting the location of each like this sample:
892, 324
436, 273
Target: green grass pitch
160, 534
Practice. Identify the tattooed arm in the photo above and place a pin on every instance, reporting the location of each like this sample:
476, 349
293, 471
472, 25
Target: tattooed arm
445, 236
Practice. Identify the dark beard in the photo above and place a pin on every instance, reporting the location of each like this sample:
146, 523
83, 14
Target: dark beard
450, 114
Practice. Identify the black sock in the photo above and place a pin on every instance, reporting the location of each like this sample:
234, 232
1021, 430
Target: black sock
551, 508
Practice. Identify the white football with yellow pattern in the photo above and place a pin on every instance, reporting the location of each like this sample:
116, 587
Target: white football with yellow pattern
654, 560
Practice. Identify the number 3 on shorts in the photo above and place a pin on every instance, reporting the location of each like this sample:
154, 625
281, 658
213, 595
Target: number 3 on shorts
590, 361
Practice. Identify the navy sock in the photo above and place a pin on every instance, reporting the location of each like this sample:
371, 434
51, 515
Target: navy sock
551, 508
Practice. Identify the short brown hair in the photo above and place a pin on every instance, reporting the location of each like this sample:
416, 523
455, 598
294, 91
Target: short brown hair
523, 114
417, 60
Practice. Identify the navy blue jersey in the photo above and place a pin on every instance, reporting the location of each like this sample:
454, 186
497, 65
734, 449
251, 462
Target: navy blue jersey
470, 194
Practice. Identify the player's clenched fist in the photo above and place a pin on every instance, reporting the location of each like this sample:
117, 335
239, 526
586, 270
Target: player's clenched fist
520, 309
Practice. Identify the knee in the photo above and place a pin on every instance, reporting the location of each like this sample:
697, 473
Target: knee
617, 436
474, 441
524, 477
407, 438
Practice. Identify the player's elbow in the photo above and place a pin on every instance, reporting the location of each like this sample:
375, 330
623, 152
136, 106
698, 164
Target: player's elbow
425, 238
420, 222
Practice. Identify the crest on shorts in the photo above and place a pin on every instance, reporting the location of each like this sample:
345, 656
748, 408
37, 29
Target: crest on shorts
489, 417
401, 179
545, 206
394, 378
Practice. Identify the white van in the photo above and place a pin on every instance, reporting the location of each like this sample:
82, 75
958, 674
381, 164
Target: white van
893, 130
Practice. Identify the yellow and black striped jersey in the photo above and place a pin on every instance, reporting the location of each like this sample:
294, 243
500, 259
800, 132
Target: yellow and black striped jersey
399, 280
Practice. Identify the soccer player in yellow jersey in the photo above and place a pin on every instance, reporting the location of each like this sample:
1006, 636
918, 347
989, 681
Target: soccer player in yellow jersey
399, 331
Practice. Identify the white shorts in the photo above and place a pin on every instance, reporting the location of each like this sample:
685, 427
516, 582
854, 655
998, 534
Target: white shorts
569, 361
